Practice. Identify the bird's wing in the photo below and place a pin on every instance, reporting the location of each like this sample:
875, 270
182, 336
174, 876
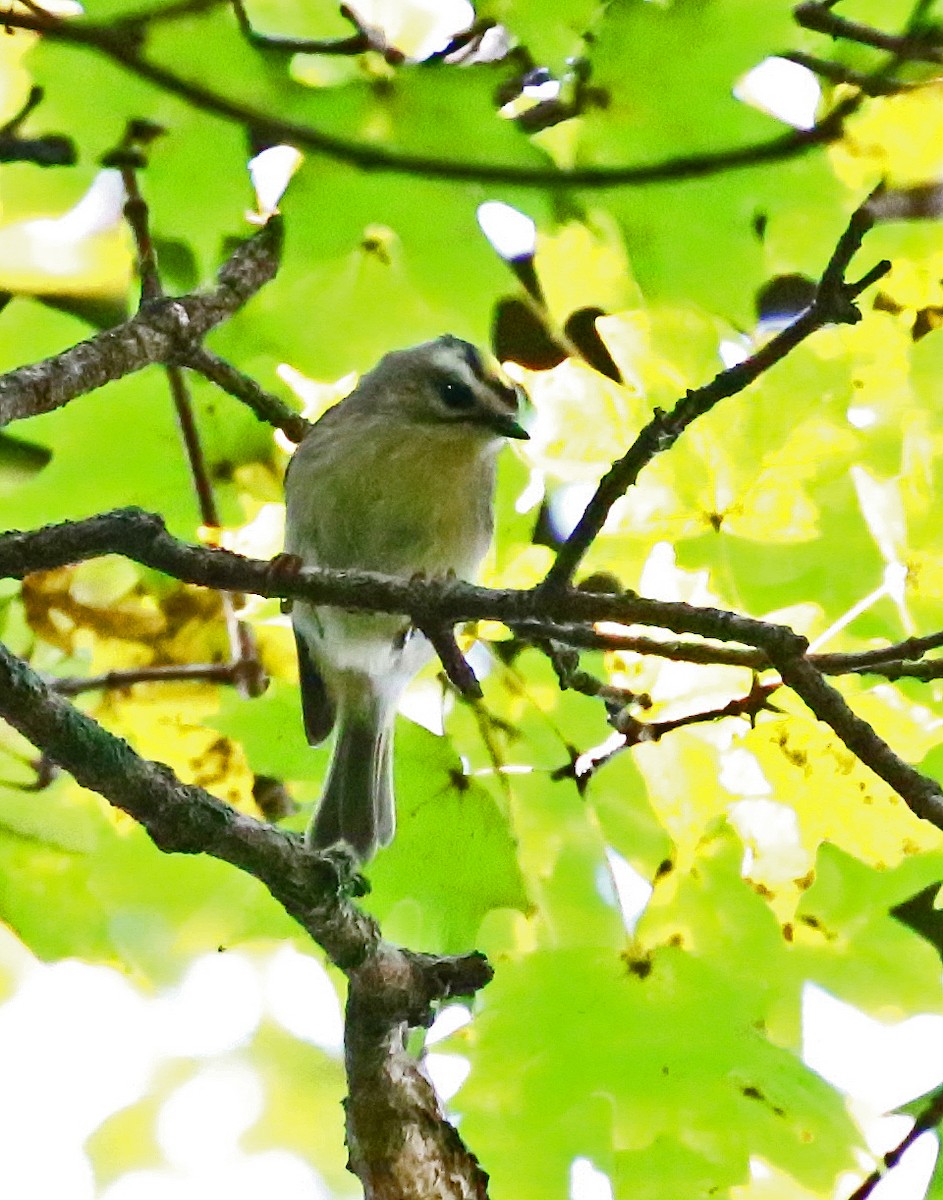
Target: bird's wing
317, 706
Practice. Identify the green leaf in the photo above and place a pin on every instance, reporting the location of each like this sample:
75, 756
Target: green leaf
681, 1059
851, 942
271, 732
48, 842
146, 468
453, 858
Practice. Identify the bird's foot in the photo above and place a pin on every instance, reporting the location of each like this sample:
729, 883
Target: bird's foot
345, 867
284, 568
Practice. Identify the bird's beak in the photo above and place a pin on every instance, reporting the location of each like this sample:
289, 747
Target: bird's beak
505, 423
508, 427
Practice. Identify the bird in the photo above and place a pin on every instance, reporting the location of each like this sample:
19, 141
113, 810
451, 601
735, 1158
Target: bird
396, 478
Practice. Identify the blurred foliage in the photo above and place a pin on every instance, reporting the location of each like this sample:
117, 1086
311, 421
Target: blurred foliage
667, 1047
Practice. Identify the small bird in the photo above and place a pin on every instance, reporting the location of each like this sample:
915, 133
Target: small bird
398, 478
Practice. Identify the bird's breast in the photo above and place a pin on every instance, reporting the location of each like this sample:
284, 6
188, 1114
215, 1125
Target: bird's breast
397, 505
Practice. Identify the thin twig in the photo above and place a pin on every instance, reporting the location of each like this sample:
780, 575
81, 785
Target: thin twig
587, 637
911, 648
243, 651
266, 407
835, 72
896, 661
908, 47
924, 672
635, 732
931, 1116
74, 685
138, 217
833, 304
355, 43
571, 677
199, 472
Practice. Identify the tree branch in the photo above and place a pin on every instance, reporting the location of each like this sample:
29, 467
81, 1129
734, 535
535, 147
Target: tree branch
143, 537
923, 795
74, 685
396, 1130
266, 407
833, 303
129, 158
51, 150
870, 85
587, 637
634, 731
909, 47
896, 661
155, 334
108, 41
454, 663
356, 43
931, 1116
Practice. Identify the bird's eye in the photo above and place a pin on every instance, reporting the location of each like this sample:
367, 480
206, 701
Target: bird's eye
456, 395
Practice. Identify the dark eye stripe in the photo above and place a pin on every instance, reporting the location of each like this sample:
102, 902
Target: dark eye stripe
507, 395
473, 361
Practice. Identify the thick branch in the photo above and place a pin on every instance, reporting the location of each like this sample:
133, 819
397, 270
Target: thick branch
182, 818
401, 1146
143, 538
400, 1140
155, 334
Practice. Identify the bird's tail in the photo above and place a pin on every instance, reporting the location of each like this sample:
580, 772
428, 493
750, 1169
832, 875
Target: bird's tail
357, 806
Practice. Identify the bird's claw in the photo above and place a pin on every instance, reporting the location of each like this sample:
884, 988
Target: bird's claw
284, 568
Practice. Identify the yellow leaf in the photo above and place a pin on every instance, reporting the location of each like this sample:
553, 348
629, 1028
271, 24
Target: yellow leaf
584, 265
164, 722
835, 796
582, 422
898, 139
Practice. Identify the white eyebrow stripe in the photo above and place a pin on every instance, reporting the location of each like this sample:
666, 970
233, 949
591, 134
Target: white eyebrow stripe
468, 354
493, 393
453, 362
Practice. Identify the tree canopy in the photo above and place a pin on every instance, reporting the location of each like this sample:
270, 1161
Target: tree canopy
678, 760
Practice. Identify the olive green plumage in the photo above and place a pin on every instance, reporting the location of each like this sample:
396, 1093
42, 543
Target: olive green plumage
397, 478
